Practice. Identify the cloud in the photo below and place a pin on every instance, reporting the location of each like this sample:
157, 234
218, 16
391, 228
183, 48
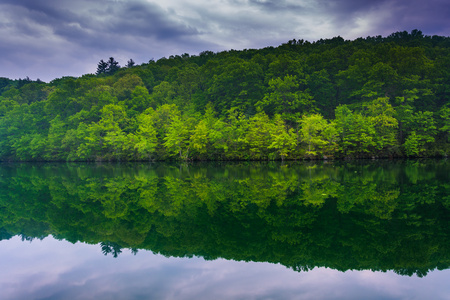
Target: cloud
430, 17
353, 18
54, 38
281, 5
71, 37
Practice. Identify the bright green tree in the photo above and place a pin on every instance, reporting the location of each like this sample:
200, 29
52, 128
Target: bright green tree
259, 136
144, 141
356, 132
423, 133
283, 140
381, 114
312, 134
177, 137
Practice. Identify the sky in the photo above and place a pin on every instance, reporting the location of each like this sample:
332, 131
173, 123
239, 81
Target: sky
48, 39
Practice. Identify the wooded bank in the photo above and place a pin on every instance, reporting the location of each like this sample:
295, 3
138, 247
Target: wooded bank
371, 97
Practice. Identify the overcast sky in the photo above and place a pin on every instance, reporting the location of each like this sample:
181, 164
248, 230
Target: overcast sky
48, 39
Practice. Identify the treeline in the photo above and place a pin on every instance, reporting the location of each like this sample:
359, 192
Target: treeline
390, 215
371, 97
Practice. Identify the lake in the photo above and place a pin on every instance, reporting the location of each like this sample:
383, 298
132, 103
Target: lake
375, 229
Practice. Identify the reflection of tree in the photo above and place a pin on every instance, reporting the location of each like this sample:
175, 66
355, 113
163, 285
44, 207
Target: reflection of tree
4, 234
380, 216
110, 248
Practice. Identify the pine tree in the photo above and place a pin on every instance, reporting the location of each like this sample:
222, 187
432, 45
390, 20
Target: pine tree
102, 67
130, 63
113, 66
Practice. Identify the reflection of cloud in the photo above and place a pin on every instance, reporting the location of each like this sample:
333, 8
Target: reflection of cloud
60, 270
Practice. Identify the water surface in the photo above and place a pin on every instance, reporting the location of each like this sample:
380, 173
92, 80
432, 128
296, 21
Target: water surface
339, 230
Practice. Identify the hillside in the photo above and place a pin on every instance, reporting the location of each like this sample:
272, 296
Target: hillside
371, 97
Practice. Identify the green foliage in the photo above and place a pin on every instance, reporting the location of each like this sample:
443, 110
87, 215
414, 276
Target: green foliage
356, 133
145, 140
314, 133
237, 84
139, 101
284, 140
177, 137
258, 137
163, 93
382, 116
423, 133
125, 86
372, 97
286, 98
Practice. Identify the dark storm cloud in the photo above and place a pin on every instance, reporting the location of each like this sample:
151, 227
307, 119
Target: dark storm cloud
274, 5
350, 6
383, 17
432, 17
87, 21
65, 37
146, 19
67, 34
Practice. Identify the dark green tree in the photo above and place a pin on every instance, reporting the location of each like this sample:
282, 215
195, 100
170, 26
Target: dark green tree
102, 67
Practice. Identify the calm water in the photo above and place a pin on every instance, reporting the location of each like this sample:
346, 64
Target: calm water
339, 230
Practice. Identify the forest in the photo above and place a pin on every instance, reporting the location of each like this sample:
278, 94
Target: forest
374, 97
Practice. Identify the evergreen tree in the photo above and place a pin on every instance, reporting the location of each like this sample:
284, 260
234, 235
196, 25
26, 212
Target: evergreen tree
102, 67
130, 63
113, 66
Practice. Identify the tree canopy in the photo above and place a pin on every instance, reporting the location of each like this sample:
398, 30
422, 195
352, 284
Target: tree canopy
334, 98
